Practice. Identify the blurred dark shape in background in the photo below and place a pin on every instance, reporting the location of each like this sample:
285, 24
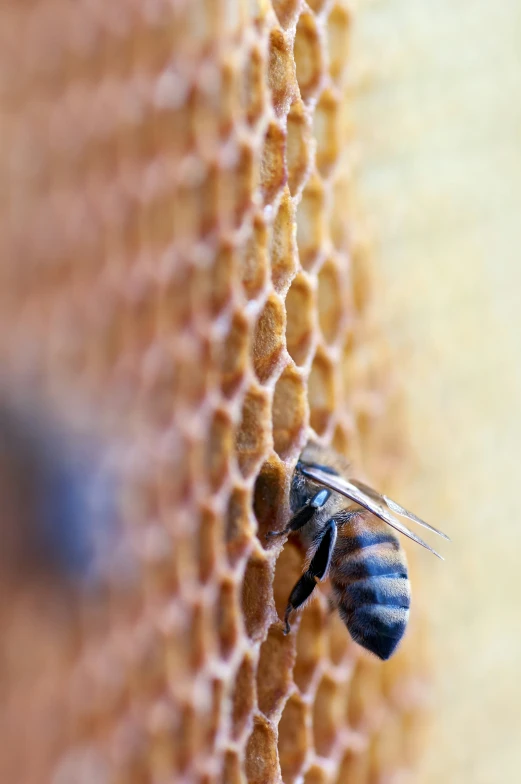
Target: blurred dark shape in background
59, 519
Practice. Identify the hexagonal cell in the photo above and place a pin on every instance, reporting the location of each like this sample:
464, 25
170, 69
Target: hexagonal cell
232, 769
309, 61
339, 225
262, 765
339, 641
331, 301
238, 525
321, 393
254, 260
201, 642
361, 277
293, 739
268, 339
338, 28
254, 85
364, 707
191, 366
214, 106
232, 355
219, 449
299, 147
288, 570
326, 132
214, 715
300, 322
236, 187
311, 225
214, 284
289, 413
311, 645
317, 5
286, 11
316, 775
273, 172
277, 657
243, 701
253, 434
257, 596
270, 498
354, 767
283, 248
228, 612
281, 73
328, 715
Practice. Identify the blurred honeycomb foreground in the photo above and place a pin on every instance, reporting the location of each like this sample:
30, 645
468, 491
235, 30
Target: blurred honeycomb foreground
182, 277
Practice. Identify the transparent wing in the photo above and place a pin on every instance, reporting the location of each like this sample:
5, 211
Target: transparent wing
372, 501
397, 508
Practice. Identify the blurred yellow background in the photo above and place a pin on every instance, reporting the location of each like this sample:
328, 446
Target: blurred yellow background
438, 119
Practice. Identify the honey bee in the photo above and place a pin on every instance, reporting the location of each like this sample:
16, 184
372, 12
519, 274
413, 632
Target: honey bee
360, 553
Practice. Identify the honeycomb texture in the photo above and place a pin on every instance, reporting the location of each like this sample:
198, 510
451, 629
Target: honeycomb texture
183, 274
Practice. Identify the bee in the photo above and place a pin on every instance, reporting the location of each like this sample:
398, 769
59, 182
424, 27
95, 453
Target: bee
354, 546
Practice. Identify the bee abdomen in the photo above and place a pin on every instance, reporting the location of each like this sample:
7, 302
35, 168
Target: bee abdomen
375, 610
378, 628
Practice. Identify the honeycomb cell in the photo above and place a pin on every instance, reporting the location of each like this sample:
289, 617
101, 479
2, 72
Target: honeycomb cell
309, 60
257, 605
354, 767
361, 278
299, 319
219, 449
317, 775
299, 147
273, 173
286, 10
311, 645
268, 339
328, 715
253, 259
236, 187
293, 739
311, 226
243, 701
364, 708
269, 497
232, 359
232, 769
339, 642
274, 671
289, 413
330, 300
228, 613
262, 765
317, 5
339, 227
283, 249
218, 281
238, 525
252, 438
326, 132
254, 85
281, 73
321, 392
338, 25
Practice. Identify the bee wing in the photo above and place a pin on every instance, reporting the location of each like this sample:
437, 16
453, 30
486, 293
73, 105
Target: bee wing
397, 508
371, 501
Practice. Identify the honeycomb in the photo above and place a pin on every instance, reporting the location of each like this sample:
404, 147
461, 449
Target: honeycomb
183, 277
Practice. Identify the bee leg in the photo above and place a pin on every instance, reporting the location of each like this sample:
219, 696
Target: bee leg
317, 570
303, 515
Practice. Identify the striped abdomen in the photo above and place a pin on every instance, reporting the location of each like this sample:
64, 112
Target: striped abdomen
370, 581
